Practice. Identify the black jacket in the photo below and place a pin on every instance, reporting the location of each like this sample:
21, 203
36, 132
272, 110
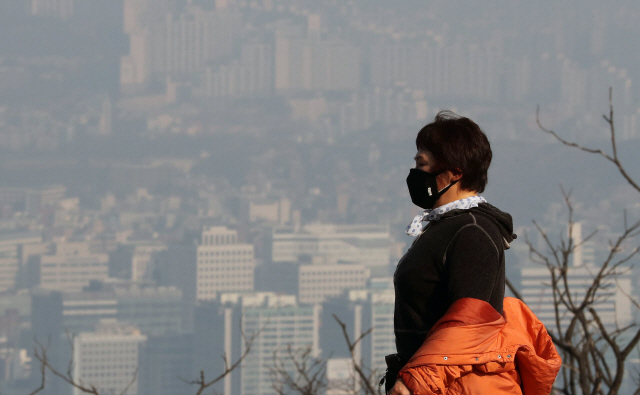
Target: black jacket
460, 255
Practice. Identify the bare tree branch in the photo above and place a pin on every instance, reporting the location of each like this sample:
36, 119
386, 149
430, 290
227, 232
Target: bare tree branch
593, 355
613, 158
43, 371
248, 341
133, 380
40, 353
513, 289
365, 379
307, 376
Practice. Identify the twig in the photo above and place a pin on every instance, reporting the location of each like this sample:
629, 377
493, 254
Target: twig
43, 370
203, 384
612, 131
369, 389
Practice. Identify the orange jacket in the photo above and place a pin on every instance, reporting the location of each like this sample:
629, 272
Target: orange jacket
474, 350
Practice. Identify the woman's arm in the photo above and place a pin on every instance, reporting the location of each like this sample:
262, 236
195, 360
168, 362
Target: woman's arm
399, 388
472, 264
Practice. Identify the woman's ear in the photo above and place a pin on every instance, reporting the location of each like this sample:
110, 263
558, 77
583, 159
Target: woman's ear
456, 174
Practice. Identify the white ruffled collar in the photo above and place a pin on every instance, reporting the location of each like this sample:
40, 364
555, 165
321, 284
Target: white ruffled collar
416, 227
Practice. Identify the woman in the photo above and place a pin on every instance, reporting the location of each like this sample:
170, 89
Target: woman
455, 271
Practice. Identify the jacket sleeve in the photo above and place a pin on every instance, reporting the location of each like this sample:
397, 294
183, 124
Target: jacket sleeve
472, 264
432, 379
423, 380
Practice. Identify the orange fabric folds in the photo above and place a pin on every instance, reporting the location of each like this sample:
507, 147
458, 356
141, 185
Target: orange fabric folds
473, 350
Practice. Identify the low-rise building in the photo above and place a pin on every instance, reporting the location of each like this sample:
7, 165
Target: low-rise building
108, 357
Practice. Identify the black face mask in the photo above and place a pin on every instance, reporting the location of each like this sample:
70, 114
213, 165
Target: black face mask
423, 188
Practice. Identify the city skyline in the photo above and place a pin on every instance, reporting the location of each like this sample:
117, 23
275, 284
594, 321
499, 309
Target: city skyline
176, 172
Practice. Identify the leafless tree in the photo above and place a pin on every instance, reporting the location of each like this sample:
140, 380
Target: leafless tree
40, 354
298, 372
203, 383
366, 379
43, 376
594, 354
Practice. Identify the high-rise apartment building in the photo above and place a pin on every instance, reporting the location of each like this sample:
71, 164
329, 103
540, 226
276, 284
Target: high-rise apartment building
72, 267
469, 71
251, 76
224, 264
176, 44
312, 64
390, 106
108, 357
60, 9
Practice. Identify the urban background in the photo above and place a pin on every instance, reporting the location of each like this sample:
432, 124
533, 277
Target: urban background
175, 173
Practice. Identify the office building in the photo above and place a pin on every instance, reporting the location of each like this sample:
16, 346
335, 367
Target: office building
341, 376
32, 200
316, 282
177, 267
108, 358
142, 260
367, 245
72, 267
153, 310
612, 304
361, 310
165, 362
284, 323
278, 321
15, 251
224, 264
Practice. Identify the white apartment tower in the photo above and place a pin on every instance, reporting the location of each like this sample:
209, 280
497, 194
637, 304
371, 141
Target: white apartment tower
108, 357
224, 264
175, 44
308, 63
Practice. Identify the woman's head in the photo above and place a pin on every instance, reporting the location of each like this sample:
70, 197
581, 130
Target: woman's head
457, 144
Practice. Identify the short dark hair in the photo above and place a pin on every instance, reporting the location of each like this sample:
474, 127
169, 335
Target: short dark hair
458, 143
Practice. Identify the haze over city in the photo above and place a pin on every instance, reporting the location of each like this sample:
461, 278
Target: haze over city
175, 173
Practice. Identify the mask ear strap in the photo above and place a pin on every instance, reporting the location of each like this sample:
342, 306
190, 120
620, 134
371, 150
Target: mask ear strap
445, 189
